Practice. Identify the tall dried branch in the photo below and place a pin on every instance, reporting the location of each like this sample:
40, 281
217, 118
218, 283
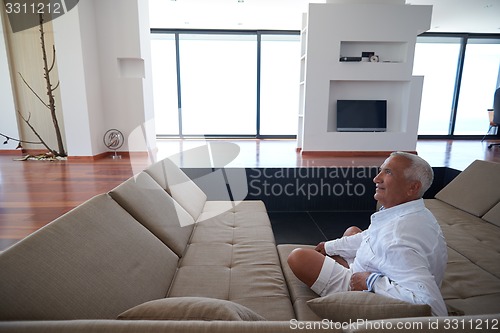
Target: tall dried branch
50, 89
27, 122
51, 105
53, 58
33, 91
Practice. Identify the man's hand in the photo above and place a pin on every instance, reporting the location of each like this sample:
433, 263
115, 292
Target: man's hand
358, 281
321, 248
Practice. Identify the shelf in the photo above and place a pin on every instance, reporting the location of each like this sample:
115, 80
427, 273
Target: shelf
370, 71
385, 50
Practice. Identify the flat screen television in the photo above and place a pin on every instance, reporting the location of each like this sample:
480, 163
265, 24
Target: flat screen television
361, 115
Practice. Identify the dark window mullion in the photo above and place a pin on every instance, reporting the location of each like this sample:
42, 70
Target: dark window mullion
258, 84
178, 69
458, 83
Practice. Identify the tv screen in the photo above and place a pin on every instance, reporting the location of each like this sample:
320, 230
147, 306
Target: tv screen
361, 115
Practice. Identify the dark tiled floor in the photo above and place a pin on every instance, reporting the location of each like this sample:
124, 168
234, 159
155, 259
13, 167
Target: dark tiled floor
314, 227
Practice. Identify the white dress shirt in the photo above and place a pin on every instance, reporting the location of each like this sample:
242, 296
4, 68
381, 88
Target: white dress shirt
405, 248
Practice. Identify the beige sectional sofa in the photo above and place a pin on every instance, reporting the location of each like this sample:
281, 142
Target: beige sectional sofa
154, 255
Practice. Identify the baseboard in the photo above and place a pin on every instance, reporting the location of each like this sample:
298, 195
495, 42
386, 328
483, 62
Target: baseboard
89, 158
10, 152
108, 154
35, 152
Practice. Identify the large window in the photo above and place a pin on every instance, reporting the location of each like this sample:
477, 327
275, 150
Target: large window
279, 93
479, 81
226, 83
436, 58
246, 83
461, 73
218, 84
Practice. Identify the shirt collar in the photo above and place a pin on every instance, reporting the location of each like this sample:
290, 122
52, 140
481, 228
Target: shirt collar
399, 210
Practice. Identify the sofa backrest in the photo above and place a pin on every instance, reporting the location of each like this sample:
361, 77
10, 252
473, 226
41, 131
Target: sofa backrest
95, 262
493, 215
476, 190
152, 206
182, 189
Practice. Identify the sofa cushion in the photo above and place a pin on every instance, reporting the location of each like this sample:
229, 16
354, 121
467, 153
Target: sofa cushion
151, 205
232, 256
493, 215
190, 308
471, 236
300, 293
475, 190
353, 305
179, 186
468, 287
92, 263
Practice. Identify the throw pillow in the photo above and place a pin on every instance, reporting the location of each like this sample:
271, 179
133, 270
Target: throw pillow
354, 305
190, 308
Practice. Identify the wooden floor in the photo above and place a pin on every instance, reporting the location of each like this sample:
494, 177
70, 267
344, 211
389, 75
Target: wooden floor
33, 193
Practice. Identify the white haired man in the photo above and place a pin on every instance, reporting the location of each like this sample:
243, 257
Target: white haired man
402, 254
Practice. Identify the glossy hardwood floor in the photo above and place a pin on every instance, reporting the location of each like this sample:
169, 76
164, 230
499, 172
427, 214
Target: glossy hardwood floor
33, 193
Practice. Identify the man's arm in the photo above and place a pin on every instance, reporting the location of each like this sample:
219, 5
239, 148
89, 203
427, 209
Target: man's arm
409, 280
345, 247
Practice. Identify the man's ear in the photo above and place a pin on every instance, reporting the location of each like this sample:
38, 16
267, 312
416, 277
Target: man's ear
415, 187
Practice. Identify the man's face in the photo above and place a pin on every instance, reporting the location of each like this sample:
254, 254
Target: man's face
392, 187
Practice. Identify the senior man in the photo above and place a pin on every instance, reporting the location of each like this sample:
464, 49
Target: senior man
402, 254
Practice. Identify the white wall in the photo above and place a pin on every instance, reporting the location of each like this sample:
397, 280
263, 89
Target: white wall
347, 29
76, 100
8, 123
103, 61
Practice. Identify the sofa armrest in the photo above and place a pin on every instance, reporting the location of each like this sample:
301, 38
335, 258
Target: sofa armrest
475, 190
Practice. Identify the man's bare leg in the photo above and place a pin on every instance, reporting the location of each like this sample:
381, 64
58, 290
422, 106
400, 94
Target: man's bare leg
352, 231
306, 264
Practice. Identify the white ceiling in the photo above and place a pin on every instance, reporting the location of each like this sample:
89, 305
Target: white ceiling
474, 16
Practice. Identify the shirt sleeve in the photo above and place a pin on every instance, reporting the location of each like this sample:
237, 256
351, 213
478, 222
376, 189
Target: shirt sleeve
412, 282
346, 246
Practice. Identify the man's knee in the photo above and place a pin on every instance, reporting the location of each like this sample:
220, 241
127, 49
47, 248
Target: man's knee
352, 231
305, 264
296, 258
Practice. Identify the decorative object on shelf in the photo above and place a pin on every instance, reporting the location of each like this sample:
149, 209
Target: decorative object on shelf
113, 139
365, 56
350, 59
